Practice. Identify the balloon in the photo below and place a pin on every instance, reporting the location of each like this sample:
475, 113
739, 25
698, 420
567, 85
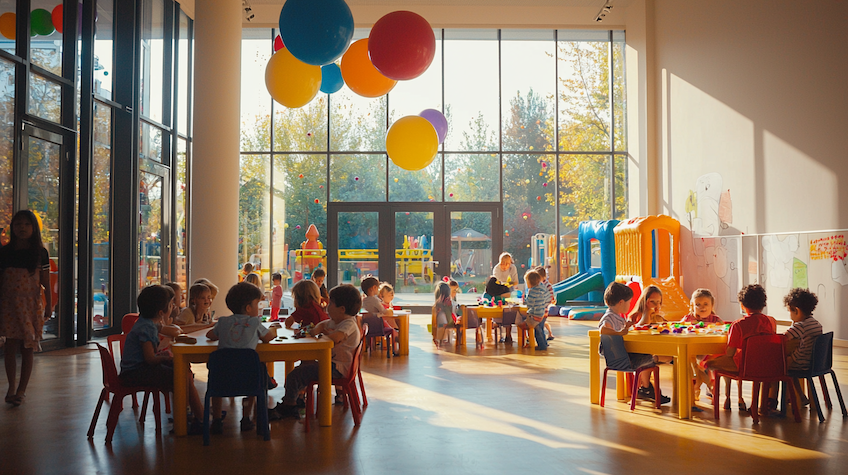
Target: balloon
278, 43
41, 22
7, 25
402, 45
290, 82
360, 75
316, 31
56, 17
331, 78
412, 143
439, 122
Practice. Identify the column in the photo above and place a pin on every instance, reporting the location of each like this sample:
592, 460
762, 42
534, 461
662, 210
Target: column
215, 159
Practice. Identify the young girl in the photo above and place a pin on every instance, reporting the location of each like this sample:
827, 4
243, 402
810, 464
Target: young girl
647, 309
196, 315
444, 313
25, 271
253, 278
701, 310
387, 294
307, 304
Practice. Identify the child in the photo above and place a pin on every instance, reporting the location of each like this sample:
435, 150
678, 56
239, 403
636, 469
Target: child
208, 283
196, 315
167, 328
243, 329
543, 273
178, 297
801, 336
253, 278
647, 309
537, 301
701, 310
617, 296
344, 305
444, 313
246, 269
308, 310
374, 305
752, 300
276, 295
318, 276
25, 270
454, 288
139, 364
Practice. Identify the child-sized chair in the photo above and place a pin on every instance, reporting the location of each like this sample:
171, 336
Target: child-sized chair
470, 320
509, 316
117, 354
377, 331
617, 359
348, 386
112, 385
237, 372
821, 364
762, 362
435, 327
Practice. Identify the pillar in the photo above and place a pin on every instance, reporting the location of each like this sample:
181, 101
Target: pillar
215, 158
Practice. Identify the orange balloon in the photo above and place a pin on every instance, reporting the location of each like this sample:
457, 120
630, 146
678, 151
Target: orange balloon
360, 75
7, 25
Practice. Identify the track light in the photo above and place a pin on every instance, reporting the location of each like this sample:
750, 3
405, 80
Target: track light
605, 10
247, 10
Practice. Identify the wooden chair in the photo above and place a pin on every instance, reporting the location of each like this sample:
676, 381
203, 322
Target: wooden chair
112, 385
763, 361
348, 385
821, 364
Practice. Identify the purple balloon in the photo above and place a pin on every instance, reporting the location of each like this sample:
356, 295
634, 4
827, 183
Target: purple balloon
439, 122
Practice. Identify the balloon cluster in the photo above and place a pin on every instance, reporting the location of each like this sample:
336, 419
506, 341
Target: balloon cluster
41, 22
315, 33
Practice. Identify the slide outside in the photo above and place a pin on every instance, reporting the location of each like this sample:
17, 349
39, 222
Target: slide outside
577, 286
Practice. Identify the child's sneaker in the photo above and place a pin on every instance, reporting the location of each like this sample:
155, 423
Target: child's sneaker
217, 426
247, 425
285, 411
646, 393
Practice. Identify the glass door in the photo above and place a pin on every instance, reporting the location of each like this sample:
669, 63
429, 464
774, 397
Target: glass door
153, 239
416, 268
353, 246
475, 240
44, 185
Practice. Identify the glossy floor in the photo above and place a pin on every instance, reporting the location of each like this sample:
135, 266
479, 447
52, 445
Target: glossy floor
495, 410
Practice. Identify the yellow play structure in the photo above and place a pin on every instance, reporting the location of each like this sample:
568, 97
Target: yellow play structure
647, 250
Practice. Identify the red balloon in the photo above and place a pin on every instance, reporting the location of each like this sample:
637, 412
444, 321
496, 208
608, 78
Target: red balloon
278, 43
56, 17
402, 45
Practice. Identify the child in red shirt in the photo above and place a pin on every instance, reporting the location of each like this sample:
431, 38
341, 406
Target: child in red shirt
307, 304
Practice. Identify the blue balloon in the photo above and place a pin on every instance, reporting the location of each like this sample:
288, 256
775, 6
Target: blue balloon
316, 32
331, 78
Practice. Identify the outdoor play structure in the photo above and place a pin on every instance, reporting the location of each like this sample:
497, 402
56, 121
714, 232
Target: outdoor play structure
648, 252
589, 282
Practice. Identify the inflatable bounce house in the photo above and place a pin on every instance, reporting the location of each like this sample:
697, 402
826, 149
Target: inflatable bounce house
648, 253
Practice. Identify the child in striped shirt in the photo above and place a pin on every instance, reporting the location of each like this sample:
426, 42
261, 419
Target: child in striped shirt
543, 273
537, 301
801, 336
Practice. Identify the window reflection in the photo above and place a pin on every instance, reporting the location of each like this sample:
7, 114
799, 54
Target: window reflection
152, 58
255, 212
181, 226
45, 45
358, 178
150, 229
103, 49
45, 98
101, 215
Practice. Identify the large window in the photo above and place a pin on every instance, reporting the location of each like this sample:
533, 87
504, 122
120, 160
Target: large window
536, 122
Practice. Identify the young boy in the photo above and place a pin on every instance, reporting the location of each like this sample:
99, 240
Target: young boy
243, 329
617, 296
344, 305
752, 300
801, 336
537, 300
318, 276
552, 300
140, 366
276, 295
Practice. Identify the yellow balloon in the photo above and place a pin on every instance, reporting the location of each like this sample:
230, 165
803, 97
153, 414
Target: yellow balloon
412, 142
290, 81
7, 25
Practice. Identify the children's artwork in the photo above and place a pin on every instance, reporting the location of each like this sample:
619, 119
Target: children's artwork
709, 207
716, 266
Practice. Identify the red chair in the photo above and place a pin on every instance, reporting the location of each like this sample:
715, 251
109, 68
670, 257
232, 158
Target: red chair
348, 384
128, 321
763, 361
116, 356
359, 372
112, 385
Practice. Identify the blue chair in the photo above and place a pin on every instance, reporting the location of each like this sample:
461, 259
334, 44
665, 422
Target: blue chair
237, 372
377, 331
821, 364
617, 359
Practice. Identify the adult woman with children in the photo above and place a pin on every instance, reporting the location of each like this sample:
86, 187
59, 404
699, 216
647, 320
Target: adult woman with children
506, 273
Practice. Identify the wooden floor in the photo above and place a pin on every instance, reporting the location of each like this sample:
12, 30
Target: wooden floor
491, 411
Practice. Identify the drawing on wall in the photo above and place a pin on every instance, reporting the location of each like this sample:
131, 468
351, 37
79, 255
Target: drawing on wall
778, 255
709, 208
832, 248
799, 273
717, 267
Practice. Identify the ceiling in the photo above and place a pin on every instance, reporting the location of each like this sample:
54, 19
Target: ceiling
472, 3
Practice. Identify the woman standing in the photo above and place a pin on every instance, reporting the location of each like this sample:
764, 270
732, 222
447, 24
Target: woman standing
25, 271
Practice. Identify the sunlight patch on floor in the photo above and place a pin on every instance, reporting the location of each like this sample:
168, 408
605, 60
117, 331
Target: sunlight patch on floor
456, 413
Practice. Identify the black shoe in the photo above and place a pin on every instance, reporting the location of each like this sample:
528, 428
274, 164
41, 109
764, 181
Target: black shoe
284, 411
339, 401
217, 426
665, 400
646, 393
550, 338
247, 425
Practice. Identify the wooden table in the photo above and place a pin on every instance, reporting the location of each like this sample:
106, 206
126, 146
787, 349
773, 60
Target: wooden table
402, 317
682, 347
289, 350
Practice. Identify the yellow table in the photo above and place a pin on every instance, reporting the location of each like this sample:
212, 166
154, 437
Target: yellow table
490, 314
402, 317
289, 350
681, 346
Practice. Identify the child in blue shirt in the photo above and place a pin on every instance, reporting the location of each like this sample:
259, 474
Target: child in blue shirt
537, 301
140, 366
243, 329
